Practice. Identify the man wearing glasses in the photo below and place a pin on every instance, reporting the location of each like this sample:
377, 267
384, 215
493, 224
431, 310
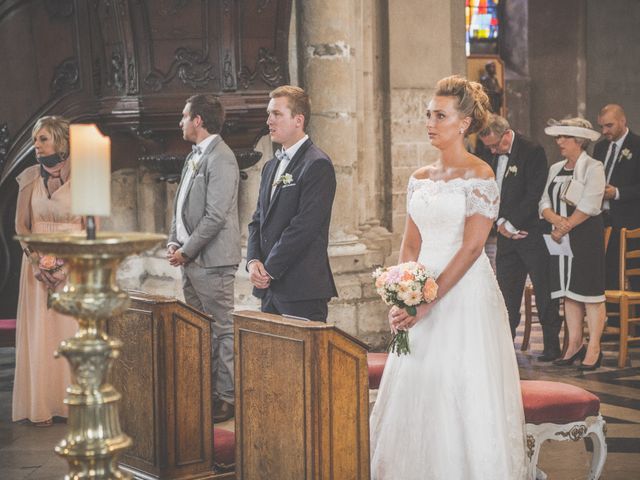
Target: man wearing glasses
520, 166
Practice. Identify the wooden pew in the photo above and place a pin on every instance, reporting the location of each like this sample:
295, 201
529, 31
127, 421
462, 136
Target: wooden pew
164, 376
302, 400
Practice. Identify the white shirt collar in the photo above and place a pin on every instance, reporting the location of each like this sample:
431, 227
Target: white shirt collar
205, 143
513, 137
621, 140
293, 149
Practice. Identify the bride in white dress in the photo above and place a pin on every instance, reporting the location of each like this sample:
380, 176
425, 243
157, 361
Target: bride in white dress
452, 408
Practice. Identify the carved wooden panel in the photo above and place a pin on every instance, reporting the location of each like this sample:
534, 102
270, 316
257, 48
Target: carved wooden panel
164, 375
272, 403
302, 400
189, 388
262, 55
347, 415
129, 65
135, 376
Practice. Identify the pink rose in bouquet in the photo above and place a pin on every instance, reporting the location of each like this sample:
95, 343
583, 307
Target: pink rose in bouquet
50, 263
406, 286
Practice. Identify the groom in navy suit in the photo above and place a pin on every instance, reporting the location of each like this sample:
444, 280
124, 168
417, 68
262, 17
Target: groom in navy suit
287, 255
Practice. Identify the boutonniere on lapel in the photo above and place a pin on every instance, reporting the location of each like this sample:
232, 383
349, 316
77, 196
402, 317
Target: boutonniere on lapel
193, 165
513, 170
284, 179
626, 154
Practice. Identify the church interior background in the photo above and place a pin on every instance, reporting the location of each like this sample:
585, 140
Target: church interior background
370, 67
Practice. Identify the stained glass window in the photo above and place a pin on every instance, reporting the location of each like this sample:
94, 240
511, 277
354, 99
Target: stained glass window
483, 26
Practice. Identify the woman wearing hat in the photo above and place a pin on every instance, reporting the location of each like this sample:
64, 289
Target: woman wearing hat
571, 203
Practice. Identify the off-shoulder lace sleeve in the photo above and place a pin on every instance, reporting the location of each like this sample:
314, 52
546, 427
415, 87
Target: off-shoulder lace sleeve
411, 187
483, 197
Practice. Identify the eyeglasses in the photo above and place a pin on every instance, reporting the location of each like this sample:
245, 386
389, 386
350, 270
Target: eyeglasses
495, 145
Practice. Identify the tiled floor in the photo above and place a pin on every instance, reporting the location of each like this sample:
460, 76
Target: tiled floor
26, 452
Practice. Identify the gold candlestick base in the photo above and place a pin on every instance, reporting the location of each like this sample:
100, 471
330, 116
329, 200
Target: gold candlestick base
94, 438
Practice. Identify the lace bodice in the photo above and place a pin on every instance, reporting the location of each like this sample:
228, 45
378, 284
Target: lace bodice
439, 210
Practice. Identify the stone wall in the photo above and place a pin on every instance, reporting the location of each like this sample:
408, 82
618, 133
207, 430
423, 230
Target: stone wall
370, 77
613, 39
426, 43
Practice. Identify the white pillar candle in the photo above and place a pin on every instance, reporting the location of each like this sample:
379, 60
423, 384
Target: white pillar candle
90, 154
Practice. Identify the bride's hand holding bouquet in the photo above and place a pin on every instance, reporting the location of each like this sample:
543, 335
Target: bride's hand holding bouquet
410, 288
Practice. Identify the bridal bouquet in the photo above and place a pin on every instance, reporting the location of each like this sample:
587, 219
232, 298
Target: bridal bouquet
406, 285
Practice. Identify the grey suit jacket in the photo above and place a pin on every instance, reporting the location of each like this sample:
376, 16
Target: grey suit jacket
210, 209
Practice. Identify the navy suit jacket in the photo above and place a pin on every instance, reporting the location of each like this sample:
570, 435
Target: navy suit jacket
625, 212
289, 233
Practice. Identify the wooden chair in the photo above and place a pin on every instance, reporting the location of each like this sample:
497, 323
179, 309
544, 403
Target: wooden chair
531, 311
625, 298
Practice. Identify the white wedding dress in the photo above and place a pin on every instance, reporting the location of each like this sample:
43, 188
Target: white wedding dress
452, 408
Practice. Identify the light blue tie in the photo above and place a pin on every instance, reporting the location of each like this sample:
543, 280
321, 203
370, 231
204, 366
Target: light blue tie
281, 155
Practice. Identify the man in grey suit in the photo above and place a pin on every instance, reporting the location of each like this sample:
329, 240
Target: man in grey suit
205, 237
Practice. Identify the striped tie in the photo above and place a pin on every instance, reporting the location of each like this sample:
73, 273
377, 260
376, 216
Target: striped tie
610, 162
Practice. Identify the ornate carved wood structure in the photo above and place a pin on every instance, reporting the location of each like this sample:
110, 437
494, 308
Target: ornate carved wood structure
129, 66
164, 375
316, 376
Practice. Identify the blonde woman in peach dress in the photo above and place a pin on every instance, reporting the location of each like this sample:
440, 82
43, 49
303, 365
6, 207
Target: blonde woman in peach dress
44, 205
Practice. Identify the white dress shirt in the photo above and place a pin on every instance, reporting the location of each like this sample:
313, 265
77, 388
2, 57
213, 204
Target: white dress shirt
618, 143
193, 162
501, 169
284, 163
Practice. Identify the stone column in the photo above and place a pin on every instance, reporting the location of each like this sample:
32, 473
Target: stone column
329, 77
558, 75
426, 43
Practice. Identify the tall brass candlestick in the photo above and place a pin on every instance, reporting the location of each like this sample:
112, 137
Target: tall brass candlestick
94, 439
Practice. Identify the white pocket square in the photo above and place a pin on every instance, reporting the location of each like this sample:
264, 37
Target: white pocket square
289, 185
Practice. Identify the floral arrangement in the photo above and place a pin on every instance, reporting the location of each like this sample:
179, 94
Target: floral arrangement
284, 179
626, 154
50, 263
406, 286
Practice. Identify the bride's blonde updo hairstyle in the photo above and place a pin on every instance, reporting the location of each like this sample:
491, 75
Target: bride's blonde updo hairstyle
473, 102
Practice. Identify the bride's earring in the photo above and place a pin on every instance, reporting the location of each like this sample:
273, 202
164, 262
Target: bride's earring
461, 130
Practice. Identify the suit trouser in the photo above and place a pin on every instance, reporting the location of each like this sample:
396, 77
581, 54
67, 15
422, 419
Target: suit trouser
210, 290
514, 260
309, 309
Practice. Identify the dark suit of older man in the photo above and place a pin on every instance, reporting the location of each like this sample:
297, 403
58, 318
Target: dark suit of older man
521, 171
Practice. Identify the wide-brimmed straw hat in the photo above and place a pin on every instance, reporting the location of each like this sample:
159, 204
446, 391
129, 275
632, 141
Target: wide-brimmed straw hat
572, 127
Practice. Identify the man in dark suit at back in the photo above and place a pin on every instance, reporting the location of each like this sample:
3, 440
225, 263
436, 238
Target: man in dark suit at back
287, 255
520, 166
620, 153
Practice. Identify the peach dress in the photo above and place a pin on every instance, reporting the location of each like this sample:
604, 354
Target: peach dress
40, 379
